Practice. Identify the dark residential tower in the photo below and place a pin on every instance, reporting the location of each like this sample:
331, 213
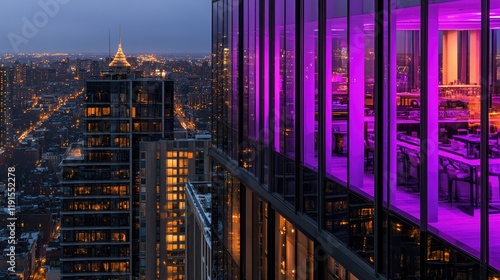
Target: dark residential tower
100, 212
166, 167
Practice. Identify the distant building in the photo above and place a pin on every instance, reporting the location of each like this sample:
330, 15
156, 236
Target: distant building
21, 73
100, 213
53, 159
166, 166
198, 234
27, 243
52, 261
25, 251
5, 108
94, 68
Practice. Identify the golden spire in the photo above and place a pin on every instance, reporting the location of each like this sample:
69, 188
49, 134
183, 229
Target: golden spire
120, 59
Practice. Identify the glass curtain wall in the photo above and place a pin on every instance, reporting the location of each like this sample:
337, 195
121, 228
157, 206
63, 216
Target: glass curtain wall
443, 129
432, 144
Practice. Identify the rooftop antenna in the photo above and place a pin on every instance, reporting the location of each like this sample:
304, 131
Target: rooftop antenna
109, 44
120, 26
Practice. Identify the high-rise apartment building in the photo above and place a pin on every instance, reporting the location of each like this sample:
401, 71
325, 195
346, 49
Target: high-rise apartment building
6, 129
166, 167
21, 74
356, 139
100, 212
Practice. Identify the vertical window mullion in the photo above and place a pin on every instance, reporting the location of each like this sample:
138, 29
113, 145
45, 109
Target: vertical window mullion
484, 152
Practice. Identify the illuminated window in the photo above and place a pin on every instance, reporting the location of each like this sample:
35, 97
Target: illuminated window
123, 205
123, 190
172, 196
118, 236
172, 180
105, 266
171, 238
106, 111
171, 171
172, 154
171, 163
95, 267
122, 142
124, 127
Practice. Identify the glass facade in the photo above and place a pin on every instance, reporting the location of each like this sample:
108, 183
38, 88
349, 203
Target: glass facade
225, 225
370, 126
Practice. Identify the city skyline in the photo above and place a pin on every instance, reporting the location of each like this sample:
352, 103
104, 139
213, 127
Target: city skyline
319, 139
79, 27
48, 105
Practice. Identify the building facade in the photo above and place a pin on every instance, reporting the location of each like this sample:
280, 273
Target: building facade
347, 139
198, 230
6, 132
100, 211
166, 167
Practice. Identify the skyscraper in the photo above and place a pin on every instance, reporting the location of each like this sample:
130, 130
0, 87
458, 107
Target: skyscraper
166, 167
100, 212
5, 108
355, 139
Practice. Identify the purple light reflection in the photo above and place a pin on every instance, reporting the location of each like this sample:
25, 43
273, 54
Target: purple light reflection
443, 217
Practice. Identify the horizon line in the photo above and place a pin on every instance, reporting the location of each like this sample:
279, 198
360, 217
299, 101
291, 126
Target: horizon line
101, 53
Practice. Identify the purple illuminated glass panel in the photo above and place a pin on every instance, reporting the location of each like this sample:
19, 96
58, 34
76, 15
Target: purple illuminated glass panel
233, 102
250, 92
458, 38
337, 139
407, 98
310, 87
361, 134
265, 75
285, 77
250, 68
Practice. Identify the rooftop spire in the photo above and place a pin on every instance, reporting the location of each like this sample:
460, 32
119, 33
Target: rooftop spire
120, 43
120, 59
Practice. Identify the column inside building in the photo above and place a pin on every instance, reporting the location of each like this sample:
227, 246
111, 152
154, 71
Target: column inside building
356, 100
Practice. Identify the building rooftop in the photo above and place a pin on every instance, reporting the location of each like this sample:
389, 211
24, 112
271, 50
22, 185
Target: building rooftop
30, 238
74, 152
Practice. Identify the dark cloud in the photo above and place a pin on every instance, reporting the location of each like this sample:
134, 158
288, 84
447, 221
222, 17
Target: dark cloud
171, 26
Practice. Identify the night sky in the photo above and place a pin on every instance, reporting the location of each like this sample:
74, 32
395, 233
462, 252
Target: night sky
73, 26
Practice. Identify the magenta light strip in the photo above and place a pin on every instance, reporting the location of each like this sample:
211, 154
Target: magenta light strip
277, 90
309, 102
